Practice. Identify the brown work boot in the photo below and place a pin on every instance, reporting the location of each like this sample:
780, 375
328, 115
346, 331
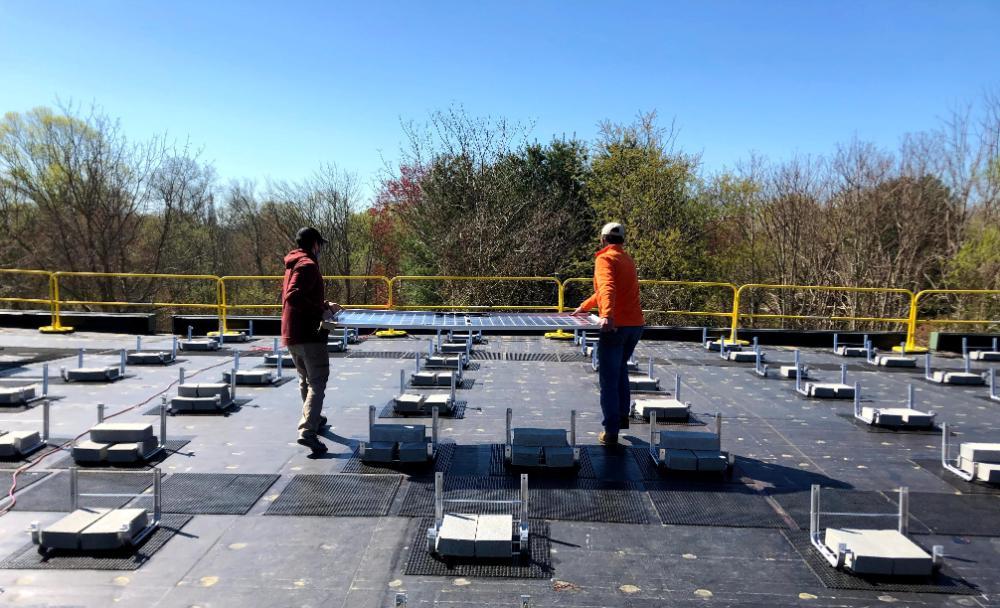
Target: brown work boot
313, 443
604, 439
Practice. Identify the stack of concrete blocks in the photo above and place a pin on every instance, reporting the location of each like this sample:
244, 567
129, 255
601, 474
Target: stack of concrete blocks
108, 373
826, 390
983, 355
879, 552
18, 395
689, 450
446, 361
888, 360
397, 443
117, 442
200, 344
15, 444
964, 378
534, 447
647, 383
422, 404
151, 357
847, 350
338, 343
253, 377
92, 530
470, 535
894, 417
475, 337
720, 344
738, 355
202, 396
981, 461
672, 409
435, 378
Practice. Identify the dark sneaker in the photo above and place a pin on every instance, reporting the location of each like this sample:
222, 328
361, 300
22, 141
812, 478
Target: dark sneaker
322, 422
623, 422
314, 444
604, 439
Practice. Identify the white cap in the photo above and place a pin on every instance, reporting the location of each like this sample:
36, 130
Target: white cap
613, 228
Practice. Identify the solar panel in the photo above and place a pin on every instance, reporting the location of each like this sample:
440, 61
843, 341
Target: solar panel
397, 319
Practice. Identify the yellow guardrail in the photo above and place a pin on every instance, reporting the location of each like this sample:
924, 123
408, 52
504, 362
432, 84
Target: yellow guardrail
393, 286
914, 318
737, 315
395, 283
727, 313
225, 306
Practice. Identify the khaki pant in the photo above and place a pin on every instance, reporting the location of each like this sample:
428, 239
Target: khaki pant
312, 361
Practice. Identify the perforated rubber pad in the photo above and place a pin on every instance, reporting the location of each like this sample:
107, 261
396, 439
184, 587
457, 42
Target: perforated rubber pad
943, 581
24, 480
129, 558
726, 505
337, 496
956, 514
536, 564
966, 487
53, 494
213, 493
445, 452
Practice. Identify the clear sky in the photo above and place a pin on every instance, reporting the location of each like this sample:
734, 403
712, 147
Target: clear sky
271, 90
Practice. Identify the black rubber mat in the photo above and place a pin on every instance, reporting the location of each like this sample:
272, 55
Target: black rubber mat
796, 504
966, 487
735, 506
419, 498
486, 355
456, 413
234, 407
471, 460
537, 564
28, 558
173, 446
23, 480
213, 493
381, 354
944, 581
337, 495
446, 451
587, 500
53, 495
957, 514
500, 466
933, 430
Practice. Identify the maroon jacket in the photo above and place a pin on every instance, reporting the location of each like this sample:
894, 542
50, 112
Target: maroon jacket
302, 300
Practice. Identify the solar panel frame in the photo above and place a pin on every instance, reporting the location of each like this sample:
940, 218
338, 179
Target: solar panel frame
422, 319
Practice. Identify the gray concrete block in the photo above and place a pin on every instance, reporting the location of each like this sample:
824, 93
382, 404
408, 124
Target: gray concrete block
90, 451
689, 440
147, 358
379, 451
93, 374
286, 361
398, 433
441, 400
851, 351
711, 461
336, 345
526, 455
558, 457
250, 377
424, 378
536, 437
880, 552
830, 390
743, 356
118, 432
457, 535
195, 404
666, 409
961, 378
453, 347
443, 361
135, 451
65, 533
984, 355
980, 452
895, 361
17, 394
198, 344
643, 383
988, 473
205, 389
413, 451
681, 460
408, 402
116, 529
16, 443
494, 534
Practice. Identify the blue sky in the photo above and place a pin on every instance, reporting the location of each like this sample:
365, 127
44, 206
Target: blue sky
271, 90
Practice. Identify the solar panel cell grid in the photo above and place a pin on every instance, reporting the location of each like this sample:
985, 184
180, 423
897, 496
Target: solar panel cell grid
452, 320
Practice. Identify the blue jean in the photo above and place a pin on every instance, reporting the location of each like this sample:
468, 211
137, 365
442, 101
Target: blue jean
613, 352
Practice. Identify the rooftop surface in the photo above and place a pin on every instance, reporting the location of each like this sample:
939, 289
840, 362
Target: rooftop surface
620, 535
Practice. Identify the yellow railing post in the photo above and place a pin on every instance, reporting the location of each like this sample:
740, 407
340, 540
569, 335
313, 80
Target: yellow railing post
562, 295
733, 334
56, 326
220, 298
911, 324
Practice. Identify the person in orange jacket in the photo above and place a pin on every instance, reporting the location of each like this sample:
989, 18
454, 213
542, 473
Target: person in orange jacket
616, 296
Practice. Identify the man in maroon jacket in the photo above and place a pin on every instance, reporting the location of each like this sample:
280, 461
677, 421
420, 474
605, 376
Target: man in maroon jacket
302, 309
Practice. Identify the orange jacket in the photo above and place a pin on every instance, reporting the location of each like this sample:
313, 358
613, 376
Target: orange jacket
616, 288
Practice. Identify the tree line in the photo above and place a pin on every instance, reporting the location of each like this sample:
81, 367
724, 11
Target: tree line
472, 196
